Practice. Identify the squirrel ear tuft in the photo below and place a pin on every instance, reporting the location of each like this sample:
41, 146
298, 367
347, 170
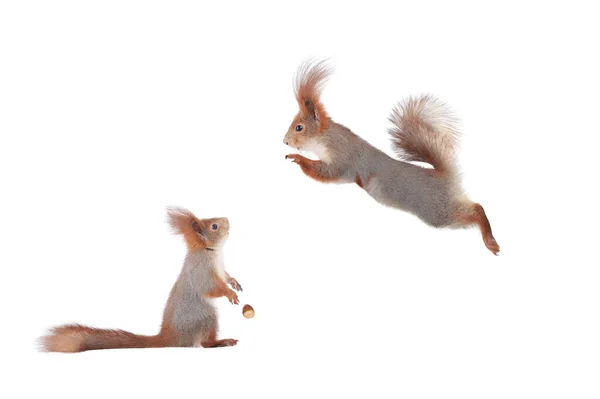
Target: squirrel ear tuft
309, 82
184, 222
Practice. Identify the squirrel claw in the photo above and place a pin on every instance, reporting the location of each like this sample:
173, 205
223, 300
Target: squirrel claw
235, 285
293, 157
233, 298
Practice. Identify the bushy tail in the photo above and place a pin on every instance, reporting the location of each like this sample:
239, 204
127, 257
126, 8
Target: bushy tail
78, 338
425, 131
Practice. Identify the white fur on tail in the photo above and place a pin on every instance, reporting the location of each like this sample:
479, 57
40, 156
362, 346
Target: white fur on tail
425, 131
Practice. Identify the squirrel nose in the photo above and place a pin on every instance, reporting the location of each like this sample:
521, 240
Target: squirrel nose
286, 143
225, 223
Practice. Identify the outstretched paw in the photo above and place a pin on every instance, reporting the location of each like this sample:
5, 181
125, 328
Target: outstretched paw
235, 285
294, 157
233, 298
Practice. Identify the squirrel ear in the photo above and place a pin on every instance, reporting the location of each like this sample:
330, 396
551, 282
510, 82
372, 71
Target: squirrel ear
198, 230
312, 111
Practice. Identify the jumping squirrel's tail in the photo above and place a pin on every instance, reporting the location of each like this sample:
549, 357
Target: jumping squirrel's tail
425, 131
77, 338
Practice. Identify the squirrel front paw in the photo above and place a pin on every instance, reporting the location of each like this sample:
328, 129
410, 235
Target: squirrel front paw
233, 298
295, 157
235, 285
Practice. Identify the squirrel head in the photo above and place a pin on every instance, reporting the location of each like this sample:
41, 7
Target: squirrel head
301, 132
198, 233
312, 119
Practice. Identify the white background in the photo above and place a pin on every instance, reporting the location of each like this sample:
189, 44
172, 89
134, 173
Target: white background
110, 111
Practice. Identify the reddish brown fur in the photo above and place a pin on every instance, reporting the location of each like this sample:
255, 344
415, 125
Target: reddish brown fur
310, 167
474, 213
78, 338
222, 290
182, 222
309, 83
359, 181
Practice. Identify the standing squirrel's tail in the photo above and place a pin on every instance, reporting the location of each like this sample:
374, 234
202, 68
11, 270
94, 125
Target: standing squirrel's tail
425, 131
78, 338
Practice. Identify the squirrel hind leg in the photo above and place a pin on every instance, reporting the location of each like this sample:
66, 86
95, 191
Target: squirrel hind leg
471, 213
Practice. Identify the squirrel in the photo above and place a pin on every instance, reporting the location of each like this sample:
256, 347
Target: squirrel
424, 130
190, 318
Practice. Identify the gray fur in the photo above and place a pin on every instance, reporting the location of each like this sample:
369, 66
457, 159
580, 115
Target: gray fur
188, 311
424, 130
391, 182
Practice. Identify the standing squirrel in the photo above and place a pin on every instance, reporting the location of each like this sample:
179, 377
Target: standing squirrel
423, 130
190, 318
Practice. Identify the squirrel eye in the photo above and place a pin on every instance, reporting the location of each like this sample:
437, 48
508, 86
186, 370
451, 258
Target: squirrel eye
299, 128
214, 226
